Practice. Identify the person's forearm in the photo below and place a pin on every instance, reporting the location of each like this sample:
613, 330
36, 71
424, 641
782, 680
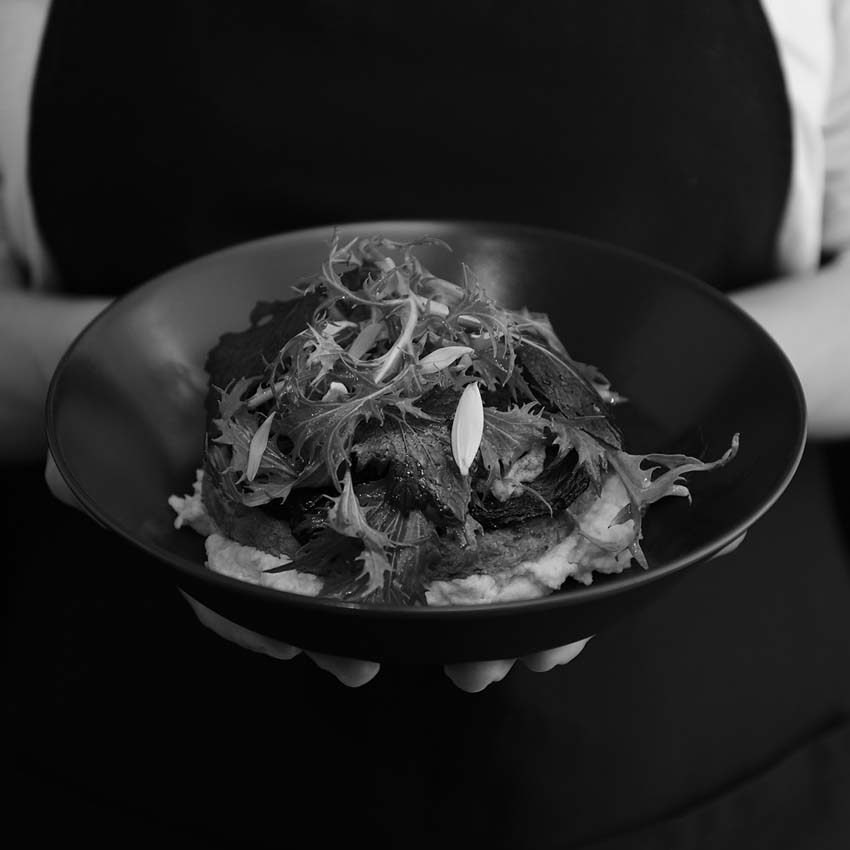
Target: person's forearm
35, 330
809, 317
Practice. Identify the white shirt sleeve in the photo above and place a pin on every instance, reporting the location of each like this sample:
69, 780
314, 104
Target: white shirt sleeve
814, 46
21, 29
813, 40
803, 34
836, 201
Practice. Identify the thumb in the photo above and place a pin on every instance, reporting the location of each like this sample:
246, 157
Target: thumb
731, 547
57, 485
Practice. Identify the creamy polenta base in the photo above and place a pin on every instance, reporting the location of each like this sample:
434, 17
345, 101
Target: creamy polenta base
589, 537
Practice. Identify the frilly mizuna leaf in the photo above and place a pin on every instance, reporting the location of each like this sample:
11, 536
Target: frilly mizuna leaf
346, 517
509, 434
646, 489
258, 446
592, 454
376, 374
643, 489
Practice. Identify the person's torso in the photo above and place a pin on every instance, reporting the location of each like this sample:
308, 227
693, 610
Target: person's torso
162, 131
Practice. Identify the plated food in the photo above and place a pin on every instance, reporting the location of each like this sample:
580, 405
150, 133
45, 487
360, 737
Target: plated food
389, 436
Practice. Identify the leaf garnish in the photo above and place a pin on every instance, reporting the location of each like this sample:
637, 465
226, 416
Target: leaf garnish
538, 325
324, 430
644, 488
592, 454
600, 383
257, 447
274, 475
509, 434
346, 517
360, 378
558, 384
324, 351
231, 397
421, 465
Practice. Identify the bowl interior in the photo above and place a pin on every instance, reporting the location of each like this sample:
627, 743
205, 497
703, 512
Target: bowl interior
126, 419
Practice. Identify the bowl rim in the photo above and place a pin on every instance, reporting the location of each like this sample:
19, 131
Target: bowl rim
577, 595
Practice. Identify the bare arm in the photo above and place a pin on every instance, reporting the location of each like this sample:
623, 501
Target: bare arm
809, 317
35, 330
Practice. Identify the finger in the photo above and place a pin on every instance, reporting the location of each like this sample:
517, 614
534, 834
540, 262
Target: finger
350, 671
474, 676
540, 662
239, 635
56, 484
731, 547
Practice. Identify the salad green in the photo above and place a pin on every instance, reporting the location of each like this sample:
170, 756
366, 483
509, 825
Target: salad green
391, 420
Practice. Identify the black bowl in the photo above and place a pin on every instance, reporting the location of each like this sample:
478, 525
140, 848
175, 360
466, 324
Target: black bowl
125, 423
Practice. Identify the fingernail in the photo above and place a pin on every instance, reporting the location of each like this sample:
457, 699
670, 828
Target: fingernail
542, 662
474, 677
727, 550
351, 672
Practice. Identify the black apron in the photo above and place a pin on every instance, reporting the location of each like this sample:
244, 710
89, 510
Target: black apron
718, 717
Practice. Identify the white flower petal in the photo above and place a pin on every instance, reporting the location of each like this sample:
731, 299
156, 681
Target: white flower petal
336, 392
364, 341
442, 358
467, 428
333, 328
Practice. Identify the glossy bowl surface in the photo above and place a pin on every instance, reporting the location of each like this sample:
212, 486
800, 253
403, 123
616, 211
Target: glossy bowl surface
125, 422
